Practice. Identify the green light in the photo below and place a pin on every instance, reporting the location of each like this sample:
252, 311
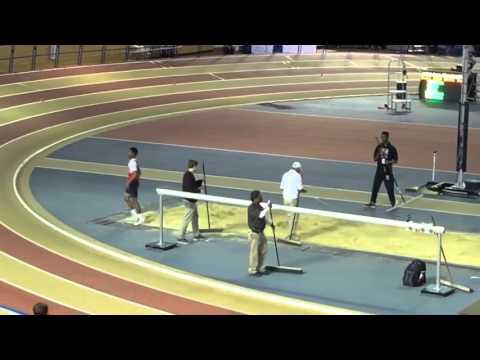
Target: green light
435, 90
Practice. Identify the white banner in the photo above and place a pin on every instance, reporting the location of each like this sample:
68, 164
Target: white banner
262, 49
290, 49
307, 49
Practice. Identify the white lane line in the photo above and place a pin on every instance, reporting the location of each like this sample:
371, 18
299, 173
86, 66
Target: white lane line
186, 82
350, 118
147, 70
194, 83
206, 72
268, 154
216, 76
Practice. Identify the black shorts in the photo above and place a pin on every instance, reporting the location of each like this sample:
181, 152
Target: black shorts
132, 189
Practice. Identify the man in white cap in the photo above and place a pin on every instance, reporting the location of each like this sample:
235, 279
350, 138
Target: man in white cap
292, 186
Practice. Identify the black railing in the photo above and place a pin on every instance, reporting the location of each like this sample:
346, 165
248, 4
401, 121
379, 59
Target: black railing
21, 58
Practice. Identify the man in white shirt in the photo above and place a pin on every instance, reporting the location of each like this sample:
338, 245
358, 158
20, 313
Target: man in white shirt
292, 186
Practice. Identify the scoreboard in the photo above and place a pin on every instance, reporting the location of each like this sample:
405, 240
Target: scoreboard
444, 86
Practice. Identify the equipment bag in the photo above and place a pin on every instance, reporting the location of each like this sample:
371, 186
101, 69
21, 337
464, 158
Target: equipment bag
415, 274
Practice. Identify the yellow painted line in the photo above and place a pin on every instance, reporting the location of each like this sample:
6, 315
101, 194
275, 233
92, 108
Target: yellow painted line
4, 312
65, 292
173, 85
173, 74
252, 79
216, 76
226, 65
326, 193
266, 299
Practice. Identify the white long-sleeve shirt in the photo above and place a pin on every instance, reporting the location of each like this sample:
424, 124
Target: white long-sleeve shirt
291, 184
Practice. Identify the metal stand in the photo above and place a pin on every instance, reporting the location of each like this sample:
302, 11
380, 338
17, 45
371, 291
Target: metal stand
437, 288
161, 245
398, 96
210, 229
278, 267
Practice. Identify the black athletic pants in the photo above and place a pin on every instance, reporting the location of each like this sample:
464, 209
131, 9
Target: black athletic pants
389, 184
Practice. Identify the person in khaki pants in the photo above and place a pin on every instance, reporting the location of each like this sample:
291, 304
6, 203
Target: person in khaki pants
258, 217
292, 186
190, 184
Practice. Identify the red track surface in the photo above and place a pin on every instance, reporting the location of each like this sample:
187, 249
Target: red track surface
131, 84
23, 301
303, 136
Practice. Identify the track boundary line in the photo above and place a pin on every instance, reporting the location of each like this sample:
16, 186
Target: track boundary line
348, 118
270, 154
146, 177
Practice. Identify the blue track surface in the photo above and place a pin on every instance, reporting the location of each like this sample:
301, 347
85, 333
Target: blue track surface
366, 108
320, 173
355, 280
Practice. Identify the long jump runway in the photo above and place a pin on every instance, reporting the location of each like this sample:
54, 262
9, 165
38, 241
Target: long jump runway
40, 108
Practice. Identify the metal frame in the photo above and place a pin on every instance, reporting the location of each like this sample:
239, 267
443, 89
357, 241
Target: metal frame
161, 244
392, 105
438, 288
427, 228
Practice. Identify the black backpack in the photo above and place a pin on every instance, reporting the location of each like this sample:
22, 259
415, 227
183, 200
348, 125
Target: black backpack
415, 274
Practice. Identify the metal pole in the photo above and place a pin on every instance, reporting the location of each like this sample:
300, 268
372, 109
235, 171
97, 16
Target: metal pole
463, 121
12, 59
206, 193
80, 55
434, 161
34, 57
104, 54
127, 52
388, 84
57, 55
161, 221
439, 260
274, 237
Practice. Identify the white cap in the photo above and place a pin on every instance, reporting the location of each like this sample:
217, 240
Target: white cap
296, 165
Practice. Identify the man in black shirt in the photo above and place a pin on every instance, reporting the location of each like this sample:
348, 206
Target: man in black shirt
190, 184
385, 155
258, 217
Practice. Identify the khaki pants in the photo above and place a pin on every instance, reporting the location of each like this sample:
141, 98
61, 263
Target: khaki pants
291, 216
190, 216
258, 251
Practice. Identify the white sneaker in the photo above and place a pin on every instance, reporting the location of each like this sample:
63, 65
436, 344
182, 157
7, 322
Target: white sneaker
140, 220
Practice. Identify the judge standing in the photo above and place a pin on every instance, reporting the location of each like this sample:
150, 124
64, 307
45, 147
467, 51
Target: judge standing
191, 184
